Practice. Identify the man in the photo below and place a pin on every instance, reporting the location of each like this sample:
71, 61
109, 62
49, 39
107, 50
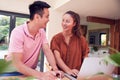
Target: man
26, 41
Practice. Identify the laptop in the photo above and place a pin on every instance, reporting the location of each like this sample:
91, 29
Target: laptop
95, 65
92, 66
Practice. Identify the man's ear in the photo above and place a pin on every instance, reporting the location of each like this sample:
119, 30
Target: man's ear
37, 16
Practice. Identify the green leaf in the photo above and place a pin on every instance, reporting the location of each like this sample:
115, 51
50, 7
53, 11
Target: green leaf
30, 78
6, 66
116, 58
113, 59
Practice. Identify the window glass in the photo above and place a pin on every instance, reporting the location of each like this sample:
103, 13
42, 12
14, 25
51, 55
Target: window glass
20, 21
103, 39
4, 33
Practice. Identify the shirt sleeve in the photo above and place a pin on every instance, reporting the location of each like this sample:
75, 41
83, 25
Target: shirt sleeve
85, 48
54, 45
16, 41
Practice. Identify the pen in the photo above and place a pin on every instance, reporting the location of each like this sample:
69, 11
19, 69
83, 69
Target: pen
48, 67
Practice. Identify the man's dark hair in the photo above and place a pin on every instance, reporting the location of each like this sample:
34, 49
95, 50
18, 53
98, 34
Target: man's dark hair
37, 7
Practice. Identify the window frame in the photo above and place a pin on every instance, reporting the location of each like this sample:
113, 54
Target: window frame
13, 16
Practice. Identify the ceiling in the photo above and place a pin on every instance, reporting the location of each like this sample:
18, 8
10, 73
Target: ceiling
100, 8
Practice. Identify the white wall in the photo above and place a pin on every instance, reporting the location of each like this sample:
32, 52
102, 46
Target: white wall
54, 25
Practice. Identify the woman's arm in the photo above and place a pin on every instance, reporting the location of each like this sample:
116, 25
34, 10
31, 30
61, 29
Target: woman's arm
63, 66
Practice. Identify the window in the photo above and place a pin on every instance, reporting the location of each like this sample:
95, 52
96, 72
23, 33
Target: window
8, 21
20, 21
99, 37
4, 32
103, 39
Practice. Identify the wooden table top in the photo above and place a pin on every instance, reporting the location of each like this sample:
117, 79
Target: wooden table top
23, 78
97, 77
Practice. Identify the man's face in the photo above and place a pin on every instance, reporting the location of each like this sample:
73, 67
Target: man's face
42, 21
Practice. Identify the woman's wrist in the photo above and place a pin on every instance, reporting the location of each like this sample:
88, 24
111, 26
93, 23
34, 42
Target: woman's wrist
54, 68
68, 70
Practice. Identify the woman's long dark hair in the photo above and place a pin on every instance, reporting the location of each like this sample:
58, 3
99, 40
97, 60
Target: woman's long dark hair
76, 18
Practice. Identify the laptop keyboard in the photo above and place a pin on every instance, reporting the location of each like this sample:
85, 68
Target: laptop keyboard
70, 77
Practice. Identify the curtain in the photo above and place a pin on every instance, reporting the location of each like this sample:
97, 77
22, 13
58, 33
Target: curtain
115, 39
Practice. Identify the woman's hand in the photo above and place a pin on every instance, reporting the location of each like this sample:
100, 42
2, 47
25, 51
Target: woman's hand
73, 72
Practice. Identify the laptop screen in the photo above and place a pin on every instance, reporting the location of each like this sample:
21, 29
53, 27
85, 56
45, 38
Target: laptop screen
95, 65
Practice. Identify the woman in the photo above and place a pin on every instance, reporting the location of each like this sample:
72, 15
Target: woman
69, 46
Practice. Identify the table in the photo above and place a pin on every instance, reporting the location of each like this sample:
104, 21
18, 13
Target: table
23, 78
97, 77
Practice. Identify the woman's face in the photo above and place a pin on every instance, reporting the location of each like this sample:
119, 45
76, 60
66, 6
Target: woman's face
67, 22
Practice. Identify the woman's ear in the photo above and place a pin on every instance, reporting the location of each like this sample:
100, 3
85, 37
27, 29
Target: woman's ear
74, 23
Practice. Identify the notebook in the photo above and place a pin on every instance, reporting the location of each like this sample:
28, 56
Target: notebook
95, 65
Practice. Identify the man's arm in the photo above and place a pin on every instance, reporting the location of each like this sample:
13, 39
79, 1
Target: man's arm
22, 68
50, 56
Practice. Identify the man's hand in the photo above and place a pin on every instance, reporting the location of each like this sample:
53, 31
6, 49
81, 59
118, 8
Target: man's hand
49, 75
59, 74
